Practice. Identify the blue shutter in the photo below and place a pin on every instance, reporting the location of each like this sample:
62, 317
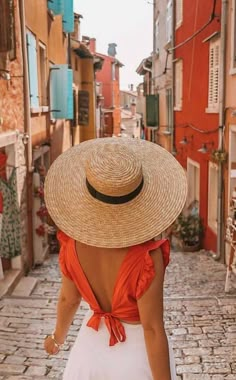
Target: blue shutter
33, 70
61, 92
56, 6
68, 16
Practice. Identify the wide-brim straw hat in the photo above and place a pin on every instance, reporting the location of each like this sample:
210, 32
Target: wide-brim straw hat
115, 192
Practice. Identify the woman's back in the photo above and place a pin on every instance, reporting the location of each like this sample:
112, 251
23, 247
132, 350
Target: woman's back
101, 267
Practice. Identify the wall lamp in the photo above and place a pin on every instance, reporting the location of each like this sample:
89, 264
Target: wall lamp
204, 148
5, 74
185, 140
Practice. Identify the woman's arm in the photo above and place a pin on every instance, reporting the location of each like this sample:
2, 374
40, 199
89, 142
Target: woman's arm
68, 303
151, 314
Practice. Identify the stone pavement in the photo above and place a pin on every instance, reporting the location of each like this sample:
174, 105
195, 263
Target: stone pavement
199, 317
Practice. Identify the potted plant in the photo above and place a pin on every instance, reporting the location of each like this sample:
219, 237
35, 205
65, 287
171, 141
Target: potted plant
189, 230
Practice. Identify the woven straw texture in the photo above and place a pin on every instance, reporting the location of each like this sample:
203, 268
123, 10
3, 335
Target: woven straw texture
115, 167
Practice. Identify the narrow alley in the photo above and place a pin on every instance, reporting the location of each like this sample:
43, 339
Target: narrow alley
199, 316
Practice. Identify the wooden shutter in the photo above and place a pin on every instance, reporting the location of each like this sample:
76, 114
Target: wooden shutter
56, 6
61, 92
6, 27
33, 69
68, 16
214, 71
152, 110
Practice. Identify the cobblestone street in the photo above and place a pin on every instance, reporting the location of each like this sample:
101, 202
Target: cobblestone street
199, 317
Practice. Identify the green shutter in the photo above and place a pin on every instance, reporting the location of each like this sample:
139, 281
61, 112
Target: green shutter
33, 70
152, 110
61, 92
56, 6
68, 16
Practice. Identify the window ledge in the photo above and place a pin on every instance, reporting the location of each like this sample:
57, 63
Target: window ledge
212, 110
179, 24
232, 71
178, 108
167, 45
41, 109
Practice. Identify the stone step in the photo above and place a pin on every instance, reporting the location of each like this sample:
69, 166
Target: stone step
25, 287
11, 278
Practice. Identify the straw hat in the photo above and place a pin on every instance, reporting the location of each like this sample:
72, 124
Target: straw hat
115, 192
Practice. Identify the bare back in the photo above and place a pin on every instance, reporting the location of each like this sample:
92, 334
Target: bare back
101, 267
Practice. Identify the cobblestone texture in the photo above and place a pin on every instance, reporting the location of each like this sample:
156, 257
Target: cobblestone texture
199, 317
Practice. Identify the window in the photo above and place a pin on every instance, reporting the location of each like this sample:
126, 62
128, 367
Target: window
43, 80
193, 177
234, 36
7, 28
33, 70
152, 110
157, 35
169, 21
214, 70
212, 195
178, 84
113, 71
178, 13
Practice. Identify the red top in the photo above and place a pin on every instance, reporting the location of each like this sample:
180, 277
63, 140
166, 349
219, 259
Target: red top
134, 277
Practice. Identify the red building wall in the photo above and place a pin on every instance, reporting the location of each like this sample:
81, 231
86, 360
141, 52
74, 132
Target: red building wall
193, 119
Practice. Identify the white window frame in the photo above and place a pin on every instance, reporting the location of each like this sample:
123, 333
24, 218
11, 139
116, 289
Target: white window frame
233, 38
169, 21
193, 167
178, 85
214, 76
212, 200
178, 13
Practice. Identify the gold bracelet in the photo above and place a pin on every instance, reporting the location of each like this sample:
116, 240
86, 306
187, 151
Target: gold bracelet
58, 345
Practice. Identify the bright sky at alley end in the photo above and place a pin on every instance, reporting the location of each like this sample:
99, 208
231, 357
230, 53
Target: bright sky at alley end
128, 23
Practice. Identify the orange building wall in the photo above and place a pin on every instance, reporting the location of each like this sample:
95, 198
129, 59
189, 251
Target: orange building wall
195, 56
11, 92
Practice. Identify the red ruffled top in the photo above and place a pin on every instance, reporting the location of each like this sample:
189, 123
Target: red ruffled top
135, 276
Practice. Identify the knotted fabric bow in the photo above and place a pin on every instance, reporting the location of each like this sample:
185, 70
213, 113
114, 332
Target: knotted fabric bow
114, 326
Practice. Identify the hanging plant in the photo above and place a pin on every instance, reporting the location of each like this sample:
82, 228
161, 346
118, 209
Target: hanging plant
218, 155
42, 212
40, 230
39, 192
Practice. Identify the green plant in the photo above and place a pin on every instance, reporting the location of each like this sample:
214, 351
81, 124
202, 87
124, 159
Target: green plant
189, 229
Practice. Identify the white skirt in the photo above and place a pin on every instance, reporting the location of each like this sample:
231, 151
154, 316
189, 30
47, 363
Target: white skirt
91, 357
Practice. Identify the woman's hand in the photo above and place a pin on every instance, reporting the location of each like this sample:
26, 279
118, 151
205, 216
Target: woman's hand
51, 346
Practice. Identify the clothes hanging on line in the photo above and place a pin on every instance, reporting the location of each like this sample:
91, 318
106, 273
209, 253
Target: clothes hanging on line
10, 232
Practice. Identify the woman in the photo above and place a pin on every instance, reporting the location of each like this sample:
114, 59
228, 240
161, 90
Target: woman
109, 198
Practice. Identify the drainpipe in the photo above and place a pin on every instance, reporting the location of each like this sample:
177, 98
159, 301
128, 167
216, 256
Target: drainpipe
27, 130
220, 201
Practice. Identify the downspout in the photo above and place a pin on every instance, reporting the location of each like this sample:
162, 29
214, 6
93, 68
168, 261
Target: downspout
220, 200
69, 65
27, 130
